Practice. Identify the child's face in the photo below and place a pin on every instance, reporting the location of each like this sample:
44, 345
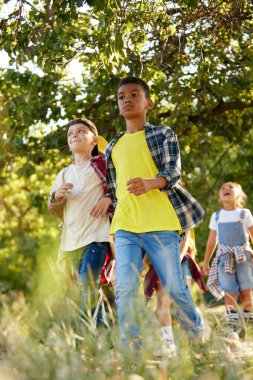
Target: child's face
229, 192
132, 101
81, 139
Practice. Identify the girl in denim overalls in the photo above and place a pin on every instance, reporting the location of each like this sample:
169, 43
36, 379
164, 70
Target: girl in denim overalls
231, 273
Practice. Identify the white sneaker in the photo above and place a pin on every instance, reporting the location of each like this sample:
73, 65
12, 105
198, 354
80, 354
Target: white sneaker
167, 350
202, 335
171, 350
206, 333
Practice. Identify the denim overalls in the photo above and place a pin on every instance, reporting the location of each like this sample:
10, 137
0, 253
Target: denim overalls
235, 267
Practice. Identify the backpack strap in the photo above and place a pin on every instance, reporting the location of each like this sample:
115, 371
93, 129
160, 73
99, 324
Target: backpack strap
242, 215
217, 215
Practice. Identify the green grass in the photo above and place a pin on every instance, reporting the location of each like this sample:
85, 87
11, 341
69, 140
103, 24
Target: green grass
42, 337
49, 342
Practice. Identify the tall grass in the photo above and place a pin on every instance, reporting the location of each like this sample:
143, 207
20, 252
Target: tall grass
43, 337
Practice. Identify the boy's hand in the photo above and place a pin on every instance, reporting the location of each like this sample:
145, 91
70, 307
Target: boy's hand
206, 269
101, 207
139, 186
63, 191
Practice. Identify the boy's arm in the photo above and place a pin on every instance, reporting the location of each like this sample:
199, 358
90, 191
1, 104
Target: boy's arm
101, 207
55, 208
169, 163
210, 247
99, 165
57, 198
169, 159
104, 205
138, 186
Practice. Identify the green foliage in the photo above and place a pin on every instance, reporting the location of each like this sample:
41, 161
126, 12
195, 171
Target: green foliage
197, 58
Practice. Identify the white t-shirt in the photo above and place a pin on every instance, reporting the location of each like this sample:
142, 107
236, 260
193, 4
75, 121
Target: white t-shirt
232, 216
79, 227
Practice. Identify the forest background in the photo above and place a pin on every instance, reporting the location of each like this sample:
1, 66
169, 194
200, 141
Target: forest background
197, 57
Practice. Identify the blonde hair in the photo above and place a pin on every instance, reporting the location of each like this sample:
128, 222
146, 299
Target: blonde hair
241, 198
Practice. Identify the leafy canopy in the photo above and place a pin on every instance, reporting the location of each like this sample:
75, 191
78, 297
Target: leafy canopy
197, 57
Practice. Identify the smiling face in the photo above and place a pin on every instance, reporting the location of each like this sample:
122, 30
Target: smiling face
229, 193
132, 101
81, 139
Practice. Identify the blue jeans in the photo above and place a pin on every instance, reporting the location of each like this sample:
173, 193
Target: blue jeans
185, 265
162, 248
87, 264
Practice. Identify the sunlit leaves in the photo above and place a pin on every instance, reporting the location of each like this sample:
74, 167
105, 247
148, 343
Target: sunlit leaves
196, 56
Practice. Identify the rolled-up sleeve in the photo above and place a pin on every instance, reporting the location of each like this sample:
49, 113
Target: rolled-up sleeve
170, 161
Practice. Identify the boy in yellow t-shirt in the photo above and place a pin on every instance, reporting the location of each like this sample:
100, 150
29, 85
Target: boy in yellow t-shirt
151, 209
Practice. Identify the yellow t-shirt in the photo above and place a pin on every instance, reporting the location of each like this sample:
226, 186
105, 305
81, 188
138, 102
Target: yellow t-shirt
148, 212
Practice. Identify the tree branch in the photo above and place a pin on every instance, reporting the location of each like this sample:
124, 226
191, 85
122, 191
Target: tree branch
219, 110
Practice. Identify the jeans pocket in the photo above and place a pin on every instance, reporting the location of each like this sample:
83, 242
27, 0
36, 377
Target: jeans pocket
100, 247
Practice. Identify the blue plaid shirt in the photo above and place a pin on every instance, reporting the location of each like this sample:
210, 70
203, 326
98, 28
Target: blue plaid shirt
164, 149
